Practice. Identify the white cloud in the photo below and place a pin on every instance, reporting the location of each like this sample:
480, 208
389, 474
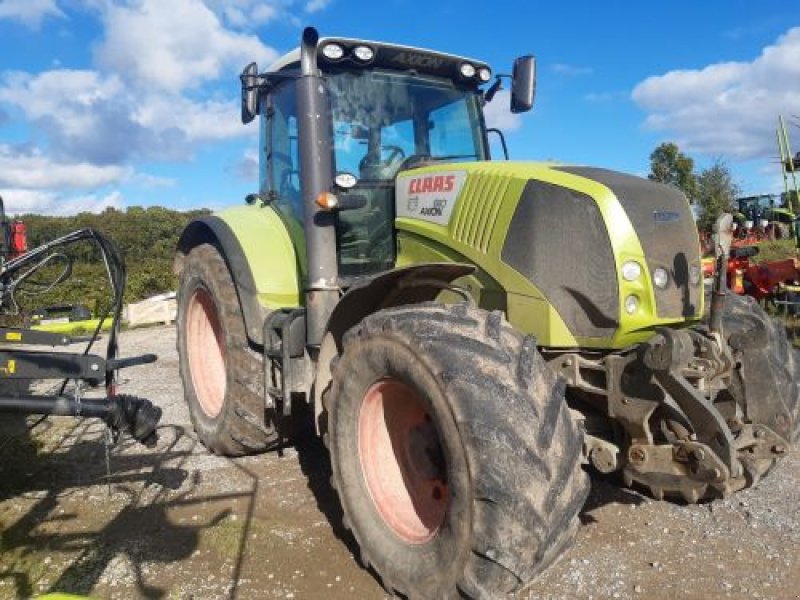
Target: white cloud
20, 201
34, 170
244, 14
172, 46
727, 108
247, 167
29, 12
163, 82
316, 5
498, 114
208, 120
89, 116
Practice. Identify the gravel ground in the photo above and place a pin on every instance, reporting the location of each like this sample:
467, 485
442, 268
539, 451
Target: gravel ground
176, 522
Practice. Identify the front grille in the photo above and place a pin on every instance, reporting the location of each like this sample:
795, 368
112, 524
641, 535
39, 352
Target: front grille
477, 209
663, 222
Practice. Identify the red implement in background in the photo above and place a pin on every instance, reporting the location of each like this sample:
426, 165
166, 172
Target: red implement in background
762, 280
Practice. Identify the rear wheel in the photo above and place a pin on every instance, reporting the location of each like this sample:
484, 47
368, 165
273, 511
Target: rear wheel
221, 374
454, 454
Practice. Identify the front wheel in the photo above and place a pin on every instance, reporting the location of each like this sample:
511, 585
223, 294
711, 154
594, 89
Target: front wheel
220, 372
454, 454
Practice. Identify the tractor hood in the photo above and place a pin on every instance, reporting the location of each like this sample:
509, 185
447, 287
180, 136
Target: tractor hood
589, 243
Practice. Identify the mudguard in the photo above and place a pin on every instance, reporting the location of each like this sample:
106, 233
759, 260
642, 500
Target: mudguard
260, 254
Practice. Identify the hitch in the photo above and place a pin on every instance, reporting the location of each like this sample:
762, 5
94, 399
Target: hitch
123, 414
668, 355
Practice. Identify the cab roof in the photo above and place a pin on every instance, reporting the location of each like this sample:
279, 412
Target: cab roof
389, 56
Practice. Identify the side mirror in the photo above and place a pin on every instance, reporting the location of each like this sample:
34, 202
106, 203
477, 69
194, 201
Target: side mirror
523, 84
249, 78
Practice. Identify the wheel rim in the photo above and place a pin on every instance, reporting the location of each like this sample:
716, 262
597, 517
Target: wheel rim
402, 461
205, 350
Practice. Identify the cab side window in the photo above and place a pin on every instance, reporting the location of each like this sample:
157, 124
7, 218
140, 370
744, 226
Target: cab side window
281, 176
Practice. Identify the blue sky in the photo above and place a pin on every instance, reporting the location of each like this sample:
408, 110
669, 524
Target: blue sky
122, 103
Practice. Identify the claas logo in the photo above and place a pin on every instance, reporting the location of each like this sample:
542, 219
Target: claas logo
433, 183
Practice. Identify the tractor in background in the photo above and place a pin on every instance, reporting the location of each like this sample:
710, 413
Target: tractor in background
466, 332
764, 217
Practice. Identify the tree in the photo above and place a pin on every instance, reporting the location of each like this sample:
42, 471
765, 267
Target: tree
716, 192
671, 166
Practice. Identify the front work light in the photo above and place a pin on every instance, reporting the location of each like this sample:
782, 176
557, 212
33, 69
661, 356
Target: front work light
660, 277
467, 70
631, 304
363, 53
332, 51
631, 270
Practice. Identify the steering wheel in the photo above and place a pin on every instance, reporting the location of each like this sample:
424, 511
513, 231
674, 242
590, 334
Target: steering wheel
411, 161
374, 161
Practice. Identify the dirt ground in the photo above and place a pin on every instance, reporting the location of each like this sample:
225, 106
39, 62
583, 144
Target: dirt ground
176, 522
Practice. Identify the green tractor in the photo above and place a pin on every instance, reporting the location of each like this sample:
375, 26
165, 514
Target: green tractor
771, 213
467, 333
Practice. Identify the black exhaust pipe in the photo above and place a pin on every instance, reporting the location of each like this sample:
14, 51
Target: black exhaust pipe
316, 176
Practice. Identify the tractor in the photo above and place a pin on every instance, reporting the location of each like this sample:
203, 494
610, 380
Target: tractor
768, 215
470, 335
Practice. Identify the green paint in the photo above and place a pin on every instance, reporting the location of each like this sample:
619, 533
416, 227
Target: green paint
269, 246
474, 234
477, 230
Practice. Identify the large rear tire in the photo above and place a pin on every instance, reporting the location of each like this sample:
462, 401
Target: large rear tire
454, 454
221, 374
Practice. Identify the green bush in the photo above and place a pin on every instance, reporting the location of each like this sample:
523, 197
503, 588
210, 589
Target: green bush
146, 238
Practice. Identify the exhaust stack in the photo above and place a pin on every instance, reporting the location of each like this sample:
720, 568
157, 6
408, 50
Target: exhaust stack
316, 161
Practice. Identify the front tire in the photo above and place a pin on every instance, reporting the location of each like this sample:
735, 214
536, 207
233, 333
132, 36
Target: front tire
745, 319
454, 454
220, 373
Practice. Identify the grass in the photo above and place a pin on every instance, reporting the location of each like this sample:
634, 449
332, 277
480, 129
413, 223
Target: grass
777, 250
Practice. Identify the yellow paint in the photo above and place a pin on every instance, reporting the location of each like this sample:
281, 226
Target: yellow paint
9, 369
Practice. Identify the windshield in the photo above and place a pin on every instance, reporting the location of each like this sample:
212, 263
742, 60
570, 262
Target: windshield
759, 203
385, 121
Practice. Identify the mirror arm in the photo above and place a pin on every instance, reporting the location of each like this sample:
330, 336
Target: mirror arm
502, 139
488, 95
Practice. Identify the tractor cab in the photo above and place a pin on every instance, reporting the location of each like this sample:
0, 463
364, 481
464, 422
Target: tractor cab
388, 108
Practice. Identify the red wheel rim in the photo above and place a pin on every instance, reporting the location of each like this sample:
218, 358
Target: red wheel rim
402, 461
205, 351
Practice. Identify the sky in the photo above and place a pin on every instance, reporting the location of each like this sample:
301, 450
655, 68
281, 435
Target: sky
116, 103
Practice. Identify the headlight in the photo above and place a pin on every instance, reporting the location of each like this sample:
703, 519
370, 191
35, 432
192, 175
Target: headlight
363, 53
694, 274
631, 270
467, 70
332, 51
660, 278
631, 304
345, 180
484, 74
